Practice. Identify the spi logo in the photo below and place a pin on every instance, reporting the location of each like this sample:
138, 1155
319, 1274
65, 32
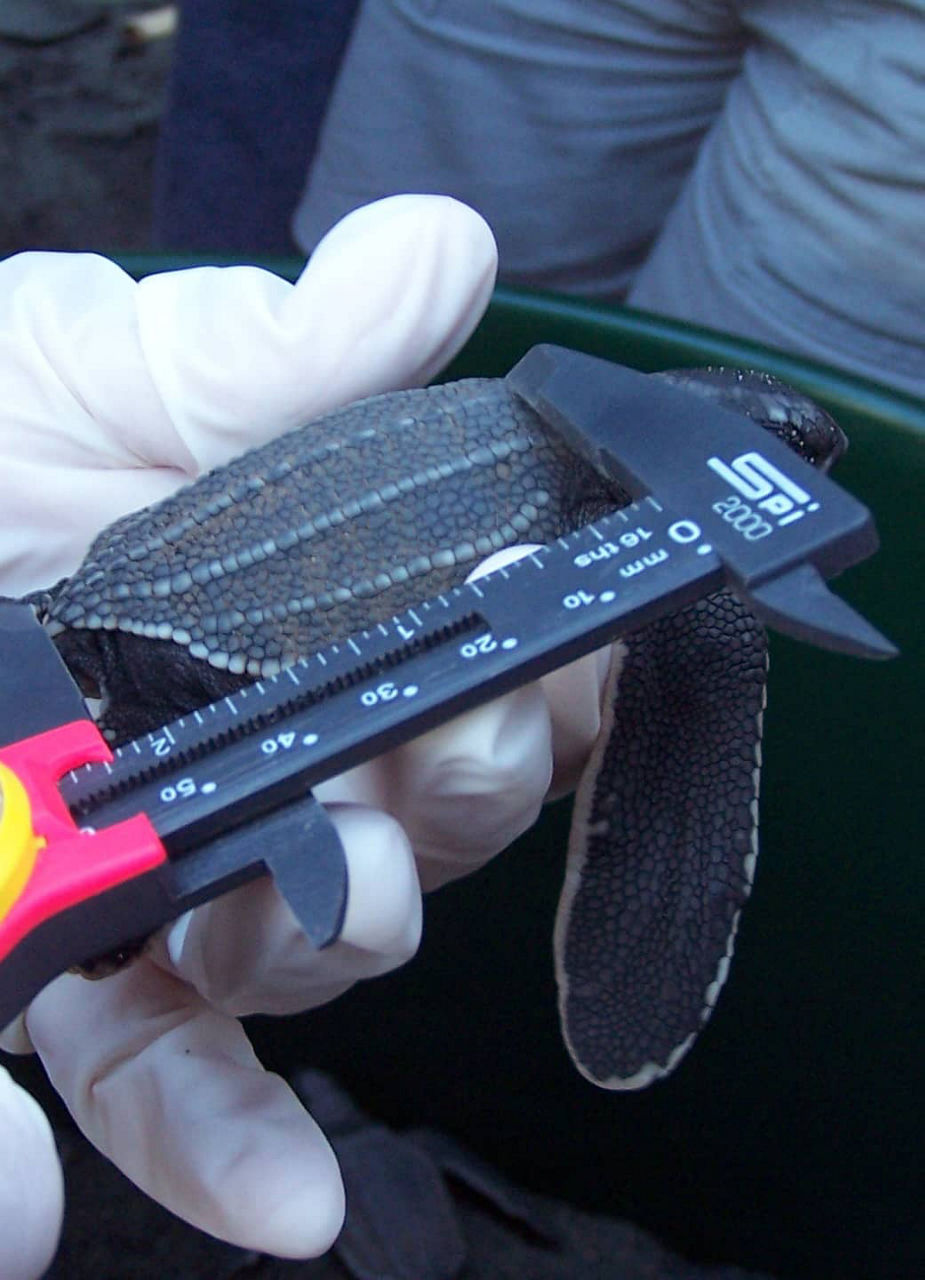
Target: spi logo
774, 500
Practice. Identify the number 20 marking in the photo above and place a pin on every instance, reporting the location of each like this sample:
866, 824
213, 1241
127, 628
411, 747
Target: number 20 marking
481, 644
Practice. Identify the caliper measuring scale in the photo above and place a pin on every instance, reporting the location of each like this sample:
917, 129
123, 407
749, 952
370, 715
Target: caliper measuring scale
217, 767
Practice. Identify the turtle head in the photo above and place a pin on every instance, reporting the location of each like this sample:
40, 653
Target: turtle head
795, 419
42, 601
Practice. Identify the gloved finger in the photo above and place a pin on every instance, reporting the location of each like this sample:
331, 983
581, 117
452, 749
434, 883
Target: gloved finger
465, 791
238, 355
71, 364
186, 368
124, 391
31, 1185
171, 1092
573, 694
245, 952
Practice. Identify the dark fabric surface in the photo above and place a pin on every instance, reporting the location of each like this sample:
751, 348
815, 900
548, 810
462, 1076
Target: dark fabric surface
420, 1207
247, 96
41, 21
80, 117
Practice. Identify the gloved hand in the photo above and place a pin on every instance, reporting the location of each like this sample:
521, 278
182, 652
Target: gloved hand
115, 393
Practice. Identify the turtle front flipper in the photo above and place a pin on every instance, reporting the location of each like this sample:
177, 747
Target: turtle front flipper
665, 831
663, 844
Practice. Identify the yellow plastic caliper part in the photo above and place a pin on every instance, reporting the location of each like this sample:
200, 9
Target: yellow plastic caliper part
18, 842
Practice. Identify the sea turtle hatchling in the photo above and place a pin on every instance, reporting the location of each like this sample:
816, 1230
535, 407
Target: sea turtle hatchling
360, 514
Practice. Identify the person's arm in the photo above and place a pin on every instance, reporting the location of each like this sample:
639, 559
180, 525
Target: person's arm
116, 393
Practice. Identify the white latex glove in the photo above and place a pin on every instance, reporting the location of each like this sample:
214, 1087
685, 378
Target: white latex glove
114, 394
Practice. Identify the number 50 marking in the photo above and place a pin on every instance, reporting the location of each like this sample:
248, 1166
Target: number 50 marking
181, 790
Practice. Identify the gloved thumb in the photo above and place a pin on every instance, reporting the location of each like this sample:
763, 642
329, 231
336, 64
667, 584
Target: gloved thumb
31, 1185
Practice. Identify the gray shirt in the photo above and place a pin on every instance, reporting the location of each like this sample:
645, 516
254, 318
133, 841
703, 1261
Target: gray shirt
757, 166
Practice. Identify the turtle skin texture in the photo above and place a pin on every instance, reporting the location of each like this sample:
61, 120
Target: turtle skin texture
359, 515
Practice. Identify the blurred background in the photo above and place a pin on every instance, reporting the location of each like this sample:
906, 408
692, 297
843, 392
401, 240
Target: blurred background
82, 88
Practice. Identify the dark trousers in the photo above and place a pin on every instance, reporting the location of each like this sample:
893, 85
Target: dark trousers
246, 100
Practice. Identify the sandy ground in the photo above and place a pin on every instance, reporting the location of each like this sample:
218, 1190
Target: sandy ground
80, 119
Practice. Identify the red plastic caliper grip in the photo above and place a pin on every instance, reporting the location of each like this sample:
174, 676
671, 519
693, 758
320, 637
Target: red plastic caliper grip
73, 865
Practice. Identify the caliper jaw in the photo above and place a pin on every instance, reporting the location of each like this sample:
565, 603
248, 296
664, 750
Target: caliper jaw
779, 526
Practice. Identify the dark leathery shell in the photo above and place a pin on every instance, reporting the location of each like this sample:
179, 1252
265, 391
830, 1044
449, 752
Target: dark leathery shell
342, 523
359, 515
